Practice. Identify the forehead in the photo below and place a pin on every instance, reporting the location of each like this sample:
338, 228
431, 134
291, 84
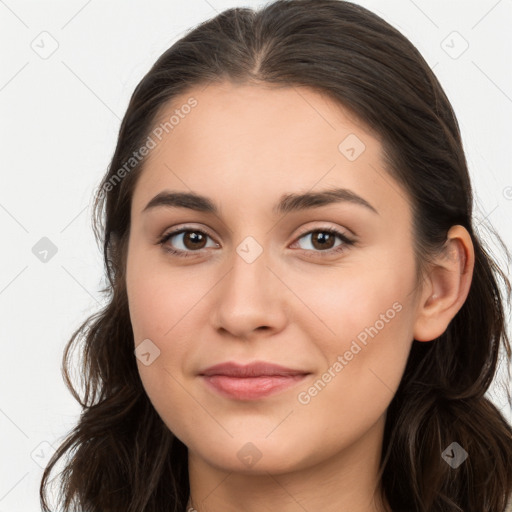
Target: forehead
260, 116
259, 141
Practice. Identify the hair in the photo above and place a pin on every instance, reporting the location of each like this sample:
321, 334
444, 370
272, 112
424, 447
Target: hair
121, 454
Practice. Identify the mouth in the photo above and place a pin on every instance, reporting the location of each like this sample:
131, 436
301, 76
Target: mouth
251, 382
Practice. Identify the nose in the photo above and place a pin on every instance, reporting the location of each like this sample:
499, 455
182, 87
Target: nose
250, 299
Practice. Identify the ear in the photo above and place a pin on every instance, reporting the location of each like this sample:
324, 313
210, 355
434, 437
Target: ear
446, 286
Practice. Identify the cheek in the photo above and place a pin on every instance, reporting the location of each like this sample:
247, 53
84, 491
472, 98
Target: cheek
158, 302
160, 296
364, 359
346, 303
166, 306
364, 321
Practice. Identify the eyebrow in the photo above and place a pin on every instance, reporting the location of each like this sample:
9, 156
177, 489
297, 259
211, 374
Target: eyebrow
287, 203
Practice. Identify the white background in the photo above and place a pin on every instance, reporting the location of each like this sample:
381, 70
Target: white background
59, 120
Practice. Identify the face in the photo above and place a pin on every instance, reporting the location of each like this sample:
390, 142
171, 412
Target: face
324, 287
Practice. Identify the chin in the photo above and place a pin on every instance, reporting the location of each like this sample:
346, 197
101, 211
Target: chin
259, 456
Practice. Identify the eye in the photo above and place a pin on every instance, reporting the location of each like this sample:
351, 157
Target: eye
323, 240
185, 241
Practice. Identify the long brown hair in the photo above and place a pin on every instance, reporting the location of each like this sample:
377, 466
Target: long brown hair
122, 457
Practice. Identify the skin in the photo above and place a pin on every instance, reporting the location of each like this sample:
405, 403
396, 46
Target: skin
244, 146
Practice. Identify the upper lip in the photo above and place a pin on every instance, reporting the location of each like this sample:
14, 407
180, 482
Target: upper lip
255, 369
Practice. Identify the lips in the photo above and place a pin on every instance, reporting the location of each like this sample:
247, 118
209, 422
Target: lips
256, 369
250, 382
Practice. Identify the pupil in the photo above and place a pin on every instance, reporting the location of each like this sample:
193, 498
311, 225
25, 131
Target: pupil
195, 238
322, 238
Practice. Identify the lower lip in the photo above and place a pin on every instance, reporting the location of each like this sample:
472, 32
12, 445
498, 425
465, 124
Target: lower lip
251, 388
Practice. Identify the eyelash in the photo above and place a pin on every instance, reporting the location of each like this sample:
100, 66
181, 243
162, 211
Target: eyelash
330, 252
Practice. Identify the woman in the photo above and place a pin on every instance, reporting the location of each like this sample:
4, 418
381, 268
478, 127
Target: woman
301, 315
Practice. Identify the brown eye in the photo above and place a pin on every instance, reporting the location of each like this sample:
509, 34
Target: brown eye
194, 240
186, 241
322, 240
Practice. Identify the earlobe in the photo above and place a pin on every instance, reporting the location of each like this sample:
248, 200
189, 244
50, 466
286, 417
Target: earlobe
446, 286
